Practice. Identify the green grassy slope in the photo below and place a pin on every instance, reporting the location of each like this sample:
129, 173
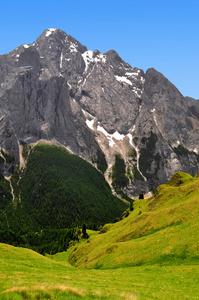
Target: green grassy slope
60, 190
151, 254
25, 274
163, 229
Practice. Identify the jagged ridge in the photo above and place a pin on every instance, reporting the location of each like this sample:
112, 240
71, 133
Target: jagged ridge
56, 89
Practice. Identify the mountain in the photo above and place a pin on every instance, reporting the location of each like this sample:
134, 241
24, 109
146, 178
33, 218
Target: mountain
96, 104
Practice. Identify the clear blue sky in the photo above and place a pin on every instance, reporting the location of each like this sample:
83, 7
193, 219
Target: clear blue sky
162, 34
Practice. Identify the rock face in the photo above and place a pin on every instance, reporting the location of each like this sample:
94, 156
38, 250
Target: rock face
94, 103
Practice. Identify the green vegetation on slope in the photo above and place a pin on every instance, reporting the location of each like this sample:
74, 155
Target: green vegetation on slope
48, 241
119, 178
151, 254
163, 229
147, 156
181, 151
9, 158
6, 205
100, 160
61, 190
24, 274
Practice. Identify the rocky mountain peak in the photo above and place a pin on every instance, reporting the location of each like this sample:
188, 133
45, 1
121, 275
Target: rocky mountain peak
96, 105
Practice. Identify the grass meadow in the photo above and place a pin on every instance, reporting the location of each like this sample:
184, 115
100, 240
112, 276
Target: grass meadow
151, 254
24, 274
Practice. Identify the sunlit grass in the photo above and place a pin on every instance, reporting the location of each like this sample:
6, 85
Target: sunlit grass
149, 255
25, 274
163, 229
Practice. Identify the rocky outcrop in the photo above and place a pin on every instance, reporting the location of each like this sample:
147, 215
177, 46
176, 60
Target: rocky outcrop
95, 103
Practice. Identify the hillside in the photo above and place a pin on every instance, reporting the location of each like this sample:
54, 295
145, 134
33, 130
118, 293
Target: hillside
25, 274
161, 230
153, 253
58, 190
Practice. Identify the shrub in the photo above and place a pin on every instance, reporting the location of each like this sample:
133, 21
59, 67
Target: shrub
131, 205
141, 196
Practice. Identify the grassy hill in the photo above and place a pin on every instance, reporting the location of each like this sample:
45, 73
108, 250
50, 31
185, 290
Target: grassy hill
24, 274
151, 254
161, 230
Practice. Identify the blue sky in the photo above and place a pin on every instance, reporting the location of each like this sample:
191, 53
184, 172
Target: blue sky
145, 33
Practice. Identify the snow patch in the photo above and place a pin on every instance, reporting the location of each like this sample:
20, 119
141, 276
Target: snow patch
28, 138
26, 46
73, 48
26, 67
123, 79
86, 114
155, 121
116, 135
88, 58
88, 75
79, 81
153, 110
61, 60
138, 158
102, 58
50, 30
90, 124
100, 128
136, 92
111, 143
130, 139
69, 85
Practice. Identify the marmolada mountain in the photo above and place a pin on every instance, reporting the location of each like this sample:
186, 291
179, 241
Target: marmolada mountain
99, 108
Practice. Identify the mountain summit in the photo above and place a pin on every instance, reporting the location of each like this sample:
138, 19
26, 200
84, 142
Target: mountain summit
99, 108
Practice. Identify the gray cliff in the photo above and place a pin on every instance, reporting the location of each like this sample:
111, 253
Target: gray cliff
91, 102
